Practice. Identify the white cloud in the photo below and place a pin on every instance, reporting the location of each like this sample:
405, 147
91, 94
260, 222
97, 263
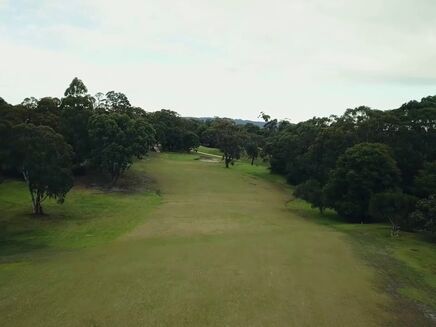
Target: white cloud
292, 59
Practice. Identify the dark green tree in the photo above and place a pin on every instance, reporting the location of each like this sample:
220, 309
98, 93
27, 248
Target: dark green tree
190, 141
174, 133
425, 180
76, 88
229, 141
393, 207
363, 170
425, 215
44, 159
116, 139
76, 109
312, 192
252, 146
5, 145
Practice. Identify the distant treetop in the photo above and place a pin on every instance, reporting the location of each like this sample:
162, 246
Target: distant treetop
76, 88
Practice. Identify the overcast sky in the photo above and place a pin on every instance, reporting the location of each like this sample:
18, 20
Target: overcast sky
290, 58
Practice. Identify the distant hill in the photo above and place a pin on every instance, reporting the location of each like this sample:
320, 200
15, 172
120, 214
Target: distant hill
237, 121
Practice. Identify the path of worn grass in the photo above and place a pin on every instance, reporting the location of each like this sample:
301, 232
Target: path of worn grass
222, 249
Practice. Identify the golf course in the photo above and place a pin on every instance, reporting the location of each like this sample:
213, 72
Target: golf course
191, 243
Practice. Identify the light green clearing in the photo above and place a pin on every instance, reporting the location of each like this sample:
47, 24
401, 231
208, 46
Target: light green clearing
213, 151
222, 249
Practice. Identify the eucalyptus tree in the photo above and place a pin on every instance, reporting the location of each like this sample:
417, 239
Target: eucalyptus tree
44, 159
76, 109
116, 139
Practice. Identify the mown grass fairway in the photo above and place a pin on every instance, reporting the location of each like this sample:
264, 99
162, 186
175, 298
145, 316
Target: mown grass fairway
221, 249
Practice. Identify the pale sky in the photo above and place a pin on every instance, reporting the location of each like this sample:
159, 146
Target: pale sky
292, 59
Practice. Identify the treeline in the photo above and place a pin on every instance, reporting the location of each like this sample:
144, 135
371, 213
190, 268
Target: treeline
368, 165
49, 140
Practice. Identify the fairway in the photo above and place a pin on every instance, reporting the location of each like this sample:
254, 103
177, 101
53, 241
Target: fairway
221, 249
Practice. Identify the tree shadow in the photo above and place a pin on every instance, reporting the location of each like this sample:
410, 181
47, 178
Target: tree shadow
18, 241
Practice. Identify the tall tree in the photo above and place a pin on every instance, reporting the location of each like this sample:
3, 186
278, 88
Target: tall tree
76, 109
44, 159
229, 141
76, 88
252, 148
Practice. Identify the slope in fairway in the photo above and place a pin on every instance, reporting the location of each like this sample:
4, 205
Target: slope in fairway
221, 250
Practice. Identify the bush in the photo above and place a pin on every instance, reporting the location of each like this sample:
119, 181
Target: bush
311, 191
425, 214
363, 170
425, 181
393, 207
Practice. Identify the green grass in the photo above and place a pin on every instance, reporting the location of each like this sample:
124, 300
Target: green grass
244, 159
222, 247
406, 266
208, 150
89, 217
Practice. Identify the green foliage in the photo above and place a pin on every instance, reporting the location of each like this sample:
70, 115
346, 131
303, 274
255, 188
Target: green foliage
393, 207
45, 113
44, 159
229, 140
312, 192
425, 180
310, 149
117, 101
173, 132
76, 88
425, 215
190, 141
76, 109
252, 150
253, 142
116, 139
363, 170
5, 146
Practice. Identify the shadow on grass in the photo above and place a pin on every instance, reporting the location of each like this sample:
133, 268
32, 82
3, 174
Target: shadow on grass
13, 246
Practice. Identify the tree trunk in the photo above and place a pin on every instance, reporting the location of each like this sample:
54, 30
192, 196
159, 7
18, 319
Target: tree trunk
36, 198
252, 161
37, 207
227, 160
114, 179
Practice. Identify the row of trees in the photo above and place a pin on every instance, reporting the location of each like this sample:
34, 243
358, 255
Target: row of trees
49, 140
368, 165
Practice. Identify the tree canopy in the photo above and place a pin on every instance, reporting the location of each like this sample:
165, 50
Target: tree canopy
363, 170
